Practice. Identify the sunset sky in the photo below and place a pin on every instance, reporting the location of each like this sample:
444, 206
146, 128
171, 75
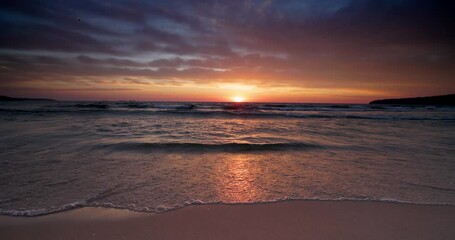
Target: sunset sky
343, 51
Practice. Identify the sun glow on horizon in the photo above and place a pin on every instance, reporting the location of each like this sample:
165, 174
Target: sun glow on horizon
238, 99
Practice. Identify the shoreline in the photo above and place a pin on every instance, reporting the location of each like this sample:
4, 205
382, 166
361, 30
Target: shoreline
290, 219
164, 209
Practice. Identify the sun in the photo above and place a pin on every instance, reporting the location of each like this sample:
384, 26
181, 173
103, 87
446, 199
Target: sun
238, 99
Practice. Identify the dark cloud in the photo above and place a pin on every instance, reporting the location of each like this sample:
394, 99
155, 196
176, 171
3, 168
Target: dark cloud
109, 61
372, 44
51, 38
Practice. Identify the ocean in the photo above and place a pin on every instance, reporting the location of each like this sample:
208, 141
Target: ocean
158, 156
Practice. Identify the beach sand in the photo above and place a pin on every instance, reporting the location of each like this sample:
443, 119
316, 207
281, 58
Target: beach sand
281, 220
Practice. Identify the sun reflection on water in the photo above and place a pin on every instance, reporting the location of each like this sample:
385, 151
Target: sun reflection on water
237, 179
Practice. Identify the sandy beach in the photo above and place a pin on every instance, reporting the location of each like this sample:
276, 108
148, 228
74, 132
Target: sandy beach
282, 220
227, 120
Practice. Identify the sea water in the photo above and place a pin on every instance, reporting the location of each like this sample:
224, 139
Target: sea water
156, 156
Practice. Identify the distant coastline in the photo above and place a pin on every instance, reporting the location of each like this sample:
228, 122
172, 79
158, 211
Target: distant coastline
448, 100
5, 98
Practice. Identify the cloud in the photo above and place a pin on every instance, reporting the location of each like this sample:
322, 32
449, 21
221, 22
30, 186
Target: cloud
392, 45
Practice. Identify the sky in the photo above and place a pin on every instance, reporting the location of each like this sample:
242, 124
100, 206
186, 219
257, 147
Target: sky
337, 51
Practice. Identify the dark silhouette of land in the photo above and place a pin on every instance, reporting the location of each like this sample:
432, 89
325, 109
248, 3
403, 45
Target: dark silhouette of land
5, 98
448, 100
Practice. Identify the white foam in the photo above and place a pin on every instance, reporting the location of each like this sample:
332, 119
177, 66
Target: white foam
163, 208
43, 211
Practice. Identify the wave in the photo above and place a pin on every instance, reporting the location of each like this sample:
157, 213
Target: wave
200, 147
191, 111
259, 114
430, 186
148, 105
247, 110
192, 202
81, 109
306, 107
56, 209
92, 105
137, 105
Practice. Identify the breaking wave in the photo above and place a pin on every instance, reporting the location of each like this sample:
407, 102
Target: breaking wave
192, 202
199, 147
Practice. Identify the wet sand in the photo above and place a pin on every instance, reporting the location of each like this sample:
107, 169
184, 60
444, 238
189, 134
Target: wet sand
282, 220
